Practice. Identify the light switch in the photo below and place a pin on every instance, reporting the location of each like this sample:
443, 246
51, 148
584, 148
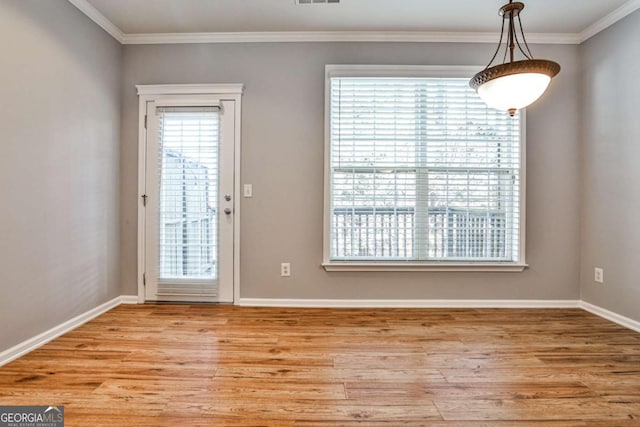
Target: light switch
247, 190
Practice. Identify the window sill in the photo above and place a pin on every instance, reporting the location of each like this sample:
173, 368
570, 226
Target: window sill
433, 266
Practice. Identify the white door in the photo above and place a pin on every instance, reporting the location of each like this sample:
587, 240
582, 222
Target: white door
188, 254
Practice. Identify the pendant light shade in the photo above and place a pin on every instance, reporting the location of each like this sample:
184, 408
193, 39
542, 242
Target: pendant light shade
513, 85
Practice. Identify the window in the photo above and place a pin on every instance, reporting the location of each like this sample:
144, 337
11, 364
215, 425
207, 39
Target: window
420, 173
188, 178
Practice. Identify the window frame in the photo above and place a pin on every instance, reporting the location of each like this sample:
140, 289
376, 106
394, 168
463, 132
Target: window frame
412, 71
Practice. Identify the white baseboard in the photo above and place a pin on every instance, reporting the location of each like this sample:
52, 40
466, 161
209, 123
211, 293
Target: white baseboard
428, 303
43, 338
610, 315
128, 299
39, 340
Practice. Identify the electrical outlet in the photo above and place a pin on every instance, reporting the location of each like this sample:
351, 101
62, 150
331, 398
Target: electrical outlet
598, 275
285, 269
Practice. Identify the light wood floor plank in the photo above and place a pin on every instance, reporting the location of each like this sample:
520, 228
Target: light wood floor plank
207, 365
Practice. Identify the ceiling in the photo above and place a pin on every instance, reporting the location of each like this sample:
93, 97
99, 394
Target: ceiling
134, 17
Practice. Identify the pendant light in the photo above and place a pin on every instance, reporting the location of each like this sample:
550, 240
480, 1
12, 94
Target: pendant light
513, 85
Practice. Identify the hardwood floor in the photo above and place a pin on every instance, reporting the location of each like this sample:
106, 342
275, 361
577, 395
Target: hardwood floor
198, 365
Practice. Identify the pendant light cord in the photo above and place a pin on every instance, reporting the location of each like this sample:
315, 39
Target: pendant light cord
499, 45
512, 41
530, 55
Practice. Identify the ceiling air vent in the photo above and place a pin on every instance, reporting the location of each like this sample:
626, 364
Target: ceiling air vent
316, 1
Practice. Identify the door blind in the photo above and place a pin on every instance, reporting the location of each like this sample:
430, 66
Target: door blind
421, 170
189, 168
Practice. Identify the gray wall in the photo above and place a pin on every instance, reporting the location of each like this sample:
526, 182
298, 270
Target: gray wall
60, 78
282, 157
610, 172
68, 183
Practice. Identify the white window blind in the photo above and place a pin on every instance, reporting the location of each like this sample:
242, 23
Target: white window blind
421, 170
188, 160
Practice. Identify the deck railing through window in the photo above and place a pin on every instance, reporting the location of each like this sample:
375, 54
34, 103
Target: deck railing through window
370, 233
189, 245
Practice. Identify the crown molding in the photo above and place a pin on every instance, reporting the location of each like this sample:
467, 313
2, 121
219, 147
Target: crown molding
346, 36
339, 36
96, 16
610, 19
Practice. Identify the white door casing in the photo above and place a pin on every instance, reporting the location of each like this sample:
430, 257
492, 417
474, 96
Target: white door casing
222, 286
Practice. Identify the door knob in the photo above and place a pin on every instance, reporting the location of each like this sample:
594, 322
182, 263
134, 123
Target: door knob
227, 197
227, 211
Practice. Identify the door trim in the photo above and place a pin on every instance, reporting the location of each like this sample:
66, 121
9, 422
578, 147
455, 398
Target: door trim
149, 93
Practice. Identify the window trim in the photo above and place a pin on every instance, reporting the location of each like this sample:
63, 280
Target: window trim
411, 71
